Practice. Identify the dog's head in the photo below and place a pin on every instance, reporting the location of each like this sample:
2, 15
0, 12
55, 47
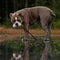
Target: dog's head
16, 19
17, 56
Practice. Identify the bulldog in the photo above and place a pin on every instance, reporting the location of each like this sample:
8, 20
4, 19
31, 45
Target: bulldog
16, 56
27, 16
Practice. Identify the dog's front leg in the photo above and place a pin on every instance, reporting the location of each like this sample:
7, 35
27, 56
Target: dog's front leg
25, 40
47, 34
47, 30
26, 30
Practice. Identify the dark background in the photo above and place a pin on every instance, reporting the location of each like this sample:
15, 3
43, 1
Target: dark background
8, 6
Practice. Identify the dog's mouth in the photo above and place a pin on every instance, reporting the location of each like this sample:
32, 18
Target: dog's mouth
17, 25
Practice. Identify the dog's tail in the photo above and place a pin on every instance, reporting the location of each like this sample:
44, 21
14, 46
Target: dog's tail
52, 13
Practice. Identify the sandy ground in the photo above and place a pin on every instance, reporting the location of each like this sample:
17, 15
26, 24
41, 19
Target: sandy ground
10, 33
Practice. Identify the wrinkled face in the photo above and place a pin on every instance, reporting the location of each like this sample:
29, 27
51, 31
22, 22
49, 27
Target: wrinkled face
17, 56
16, 19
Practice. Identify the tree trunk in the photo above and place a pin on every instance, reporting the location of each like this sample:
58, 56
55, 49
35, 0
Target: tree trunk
6, 10
36, 2
54, 4
26, 3
15, 5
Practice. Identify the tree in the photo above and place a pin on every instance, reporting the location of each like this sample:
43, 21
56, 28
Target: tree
15, 5
26, 3
36, 2
6, 10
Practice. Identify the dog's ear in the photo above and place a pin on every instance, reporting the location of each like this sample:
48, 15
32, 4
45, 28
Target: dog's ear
10, 15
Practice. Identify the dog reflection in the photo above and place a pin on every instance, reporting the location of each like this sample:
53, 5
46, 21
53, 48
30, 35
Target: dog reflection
17, 56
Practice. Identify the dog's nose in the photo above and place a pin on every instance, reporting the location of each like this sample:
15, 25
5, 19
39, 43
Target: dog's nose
16, 55
16, 24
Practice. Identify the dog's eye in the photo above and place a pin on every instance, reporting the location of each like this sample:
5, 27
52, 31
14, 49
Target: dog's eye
19, 20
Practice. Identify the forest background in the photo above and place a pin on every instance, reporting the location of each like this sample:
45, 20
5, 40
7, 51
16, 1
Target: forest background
8, 6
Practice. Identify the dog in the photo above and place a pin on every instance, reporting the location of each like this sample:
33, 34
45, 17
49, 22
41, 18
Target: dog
27, 16
22, 54
17, 56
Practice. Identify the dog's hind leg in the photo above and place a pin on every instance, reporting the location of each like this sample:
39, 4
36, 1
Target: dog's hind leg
46, 25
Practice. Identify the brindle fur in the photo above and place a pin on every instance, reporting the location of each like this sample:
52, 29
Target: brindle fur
30, 15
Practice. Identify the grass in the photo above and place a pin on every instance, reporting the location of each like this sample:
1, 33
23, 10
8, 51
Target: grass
56, 48
56, 24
